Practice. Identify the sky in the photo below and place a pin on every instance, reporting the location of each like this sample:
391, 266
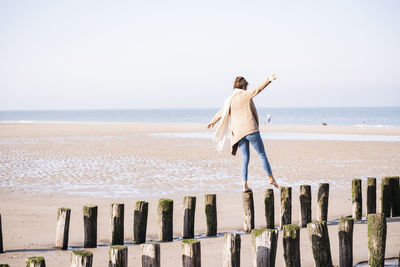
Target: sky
97, 54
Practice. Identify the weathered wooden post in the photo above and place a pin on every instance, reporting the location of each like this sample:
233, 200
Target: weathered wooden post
231, 250
211, 214
189, 205
165, 219
150, 255
264, 244
117, 224
81, 258
35, 262
248, 211
286, 205
191, 253
371, 195
386, 196
305, 205
4, 265
118, 256
323, 197
90, 226
269, 208
1, 238
356, 199
395, 196
62, 230
345, 232
291, 245
140, 222
376, 239
321, 248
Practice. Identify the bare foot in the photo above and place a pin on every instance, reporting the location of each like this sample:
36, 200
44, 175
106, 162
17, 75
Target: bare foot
245, 187
272, 181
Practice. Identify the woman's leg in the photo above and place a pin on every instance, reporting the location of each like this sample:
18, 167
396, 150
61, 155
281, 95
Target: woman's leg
245, 151
257, 143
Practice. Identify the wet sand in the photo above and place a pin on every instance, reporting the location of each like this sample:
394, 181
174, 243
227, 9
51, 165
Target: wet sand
44, 166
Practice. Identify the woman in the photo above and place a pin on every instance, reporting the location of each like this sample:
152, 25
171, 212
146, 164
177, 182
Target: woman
244, 126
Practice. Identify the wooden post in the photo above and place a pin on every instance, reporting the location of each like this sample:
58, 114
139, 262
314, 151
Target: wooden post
356, 199
140, 222
305, 205
386, 196
211, 214
81, 258
323, 197
321, 248
395, 196
286, 205
150, 255
291, 245
264, 244
165, 219
231, 250
4, 265
269, 208
346, 242
35, 262
118, 256
248, 211
1, 238
63, 218
191, 253
376, 239
90, 226
117, 224
189, 205
371, 195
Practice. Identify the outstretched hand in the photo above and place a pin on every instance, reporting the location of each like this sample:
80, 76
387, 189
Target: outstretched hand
272, 78
209, 126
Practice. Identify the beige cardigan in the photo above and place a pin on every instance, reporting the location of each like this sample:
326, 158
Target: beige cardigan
244, 117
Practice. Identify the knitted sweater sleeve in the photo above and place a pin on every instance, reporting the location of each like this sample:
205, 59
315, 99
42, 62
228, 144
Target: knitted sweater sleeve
252, 93
217, 116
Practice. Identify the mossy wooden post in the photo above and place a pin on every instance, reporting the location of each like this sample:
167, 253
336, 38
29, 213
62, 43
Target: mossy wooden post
4, 265
90, 226
269, 208
291, 245
323, 198
210, 202
1, 238
35, 262
117, 224
305, 205
248, 211
395, 196
118, 256
140, 222
232, 243
62, 230
356, 197
286, 205
150, 255
386, 196
165, 219
319, 239
191, 253
189, 206
371, 195
376, 239
345, 233
264, 244
81, 258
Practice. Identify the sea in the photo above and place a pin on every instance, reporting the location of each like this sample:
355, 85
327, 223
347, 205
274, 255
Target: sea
369, 116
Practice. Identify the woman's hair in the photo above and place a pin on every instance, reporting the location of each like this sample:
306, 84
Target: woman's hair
240, 82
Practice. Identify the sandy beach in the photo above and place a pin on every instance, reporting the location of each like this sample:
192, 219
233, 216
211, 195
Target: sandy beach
45, 166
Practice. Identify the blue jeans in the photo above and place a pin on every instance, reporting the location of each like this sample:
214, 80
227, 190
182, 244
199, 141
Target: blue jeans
255, 140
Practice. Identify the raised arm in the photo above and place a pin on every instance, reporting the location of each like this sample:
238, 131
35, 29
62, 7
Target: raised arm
215, 119
252, 93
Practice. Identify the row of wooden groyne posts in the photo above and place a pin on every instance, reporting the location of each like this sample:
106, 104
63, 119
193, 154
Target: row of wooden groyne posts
264, 241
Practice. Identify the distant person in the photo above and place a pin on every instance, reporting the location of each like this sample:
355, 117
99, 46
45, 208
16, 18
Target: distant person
363, 125
268, 118
244, 126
